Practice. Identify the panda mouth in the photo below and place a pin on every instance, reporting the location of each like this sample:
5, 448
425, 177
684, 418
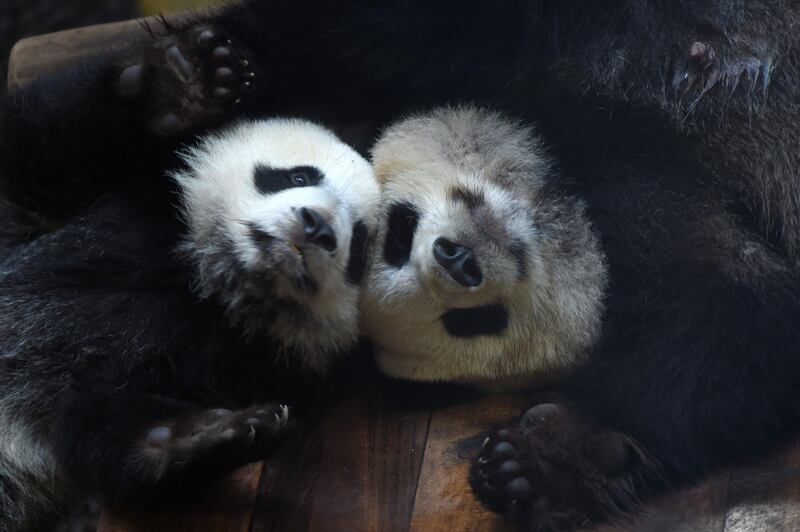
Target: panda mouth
486, 320
302, 278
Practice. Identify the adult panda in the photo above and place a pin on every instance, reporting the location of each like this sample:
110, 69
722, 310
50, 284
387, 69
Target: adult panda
143, 345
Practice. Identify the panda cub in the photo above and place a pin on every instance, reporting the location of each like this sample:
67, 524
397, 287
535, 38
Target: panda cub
134, 344
277, 215
484, 271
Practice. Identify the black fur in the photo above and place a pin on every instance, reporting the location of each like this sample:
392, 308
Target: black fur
112, 370
677, 123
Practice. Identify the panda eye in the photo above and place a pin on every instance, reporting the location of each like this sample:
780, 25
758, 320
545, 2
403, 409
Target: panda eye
269, 180
299, 179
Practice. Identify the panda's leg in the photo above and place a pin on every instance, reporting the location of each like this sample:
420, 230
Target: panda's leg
187, 79
131, 445
698, 387
68, 138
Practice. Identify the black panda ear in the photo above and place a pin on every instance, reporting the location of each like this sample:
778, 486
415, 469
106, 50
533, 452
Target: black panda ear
270, 180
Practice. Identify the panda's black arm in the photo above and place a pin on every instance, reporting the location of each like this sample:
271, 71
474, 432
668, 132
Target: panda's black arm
371, 55
707, 380
125, 444
67, 138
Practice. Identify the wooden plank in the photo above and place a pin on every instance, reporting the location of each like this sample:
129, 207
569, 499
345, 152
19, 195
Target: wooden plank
43, 55
444, 500
356, 471
227, 507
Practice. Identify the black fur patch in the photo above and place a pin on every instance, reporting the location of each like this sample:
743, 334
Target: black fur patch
471, 198
270, 180
261, 238
403, 219
358, 253
489, 320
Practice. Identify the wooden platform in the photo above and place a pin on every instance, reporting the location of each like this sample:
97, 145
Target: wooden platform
377, 463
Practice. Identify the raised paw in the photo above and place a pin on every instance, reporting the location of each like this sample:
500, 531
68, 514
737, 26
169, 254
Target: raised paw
553, 471
212, 440
188, 80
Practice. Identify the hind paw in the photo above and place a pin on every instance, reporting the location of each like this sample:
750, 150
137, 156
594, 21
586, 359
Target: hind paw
213, 438
188, 80
554, 472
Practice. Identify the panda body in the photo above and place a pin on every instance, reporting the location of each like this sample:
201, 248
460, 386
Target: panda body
527, 297
126, 329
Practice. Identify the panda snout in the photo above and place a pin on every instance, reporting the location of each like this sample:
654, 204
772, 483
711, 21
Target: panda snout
458, 261
317, 230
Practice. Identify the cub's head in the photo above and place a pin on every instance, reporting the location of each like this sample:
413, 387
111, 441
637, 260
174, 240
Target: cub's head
482, 271
278, 215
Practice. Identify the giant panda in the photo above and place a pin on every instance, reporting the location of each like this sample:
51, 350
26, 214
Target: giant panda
485, 271
145, 341
676, 125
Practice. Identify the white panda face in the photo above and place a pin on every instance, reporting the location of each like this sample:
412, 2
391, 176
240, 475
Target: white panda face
279, 213
478, 274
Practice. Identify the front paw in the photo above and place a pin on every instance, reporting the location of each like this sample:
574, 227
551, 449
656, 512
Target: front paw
211, 441
554, 471
187, 80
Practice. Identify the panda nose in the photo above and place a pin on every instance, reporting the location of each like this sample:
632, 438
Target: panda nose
317, 230
459, 261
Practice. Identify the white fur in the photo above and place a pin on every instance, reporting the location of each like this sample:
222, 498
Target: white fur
555, 308
221, 203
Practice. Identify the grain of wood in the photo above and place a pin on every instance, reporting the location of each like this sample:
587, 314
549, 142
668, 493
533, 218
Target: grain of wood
44, 55
356, 470
444, 500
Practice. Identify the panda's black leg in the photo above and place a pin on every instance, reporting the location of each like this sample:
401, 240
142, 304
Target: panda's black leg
557, 471
188, 79
664, 400
139, 445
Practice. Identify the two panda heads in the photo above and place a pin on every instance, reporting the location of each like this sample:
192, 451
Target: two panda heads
461, 261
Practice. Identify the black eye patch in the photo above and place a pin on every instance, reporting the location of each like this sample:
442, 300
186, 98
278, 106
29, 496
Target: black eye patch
403, 220
357, 263
270, 180
489, 320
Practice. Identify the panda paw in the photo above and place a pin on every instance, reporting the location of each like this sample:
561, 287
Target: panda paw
554, 471
215, 439
188, 80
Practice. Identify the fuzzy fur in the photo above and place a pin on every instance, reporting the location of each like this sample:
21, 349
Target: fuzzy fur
120, 337
538, 255
677, 125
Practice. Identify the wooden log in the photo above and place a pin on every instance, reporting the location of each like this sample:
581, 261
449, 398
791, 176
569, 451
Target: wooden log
43, 55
